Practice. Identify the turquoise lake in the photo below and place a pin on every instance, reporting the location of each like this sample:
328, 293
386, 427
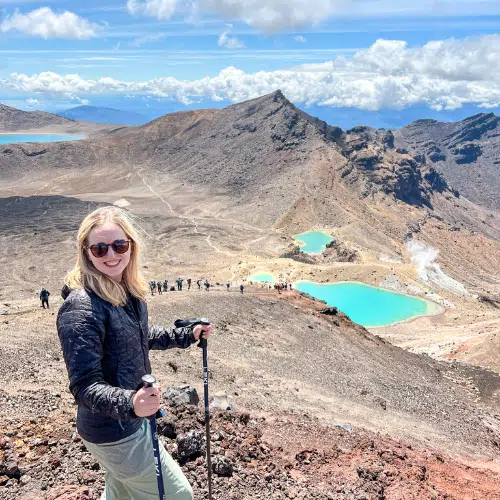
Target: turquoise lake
16, 138
313, 241
368, 305
262, 277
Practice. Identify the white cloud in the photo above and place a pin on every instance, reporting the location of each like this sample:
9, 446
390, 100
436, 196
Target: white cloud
230, 42
154, 37
161, 9
83, 102
279, 15
46, 24
267, 15
273, 15
442, 75
300, 39
31, 103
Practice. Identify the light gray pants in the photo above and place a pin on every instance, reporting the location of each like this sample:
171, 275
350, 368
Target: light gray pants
130, 469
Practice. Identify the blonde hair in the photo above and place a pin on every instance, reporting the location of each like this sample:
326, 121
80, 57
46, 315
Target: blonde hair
85, 275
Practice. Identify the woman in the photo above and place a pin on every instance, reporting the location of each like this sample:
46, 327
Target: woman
105, 337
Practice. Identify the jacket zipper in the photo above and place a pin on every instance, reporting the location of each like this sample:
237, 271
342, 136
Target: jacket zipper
136, 313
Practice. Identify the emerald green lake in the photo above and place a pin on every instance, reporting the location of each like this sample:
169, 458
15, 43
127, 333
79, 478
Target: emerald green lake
313, 241
368, 305
262, 277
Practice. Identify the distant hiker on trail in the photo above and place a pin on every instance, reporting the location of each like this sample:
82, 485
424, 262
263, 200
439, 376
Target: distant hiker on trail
105, 337
241, 288
189, 283
198, 282
158, 284
165, 286
152, 286
207, 285
179, 284
44, 297
228, 284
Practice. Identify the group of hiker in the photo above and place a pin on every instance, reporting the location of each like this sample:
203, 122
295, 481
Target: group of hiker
228, 286
162, 286
282, 286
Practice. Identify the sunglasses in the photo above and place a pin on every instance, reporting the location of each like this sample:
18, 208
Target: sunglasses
100, 250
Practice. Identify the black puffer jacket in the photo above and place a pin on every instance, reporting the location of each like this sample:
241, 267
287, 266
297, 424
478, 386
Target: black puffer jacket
106, 352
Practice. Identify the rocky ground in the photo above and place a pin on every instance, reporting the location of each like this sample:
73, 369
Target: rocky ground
252, 458
314, 425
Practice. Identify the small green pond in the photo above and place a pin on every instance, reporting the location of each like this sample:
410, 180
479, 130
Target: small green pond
313, 241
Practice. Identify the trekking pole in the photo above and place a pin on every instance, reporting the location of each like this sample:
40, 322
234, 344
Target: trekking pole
203, 344
148, 381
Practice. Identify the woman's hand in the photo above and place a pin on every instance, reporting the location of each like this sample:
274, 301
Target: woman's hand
204, 330
147, 401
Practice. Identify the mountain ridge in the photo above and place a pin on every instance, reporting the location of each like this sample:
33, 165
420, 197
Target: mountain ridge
12, 119
102, 114
16, 120
467, 153
278, 170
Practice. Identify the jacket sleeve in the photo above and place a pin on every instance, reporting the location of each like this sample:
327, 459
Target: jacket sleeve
81, 333
166, 338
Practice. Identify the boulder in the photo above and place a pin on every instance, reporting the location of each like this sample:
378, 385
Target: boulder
181, 395
220, 401
222, 466
189, 445
71, 492
166, 429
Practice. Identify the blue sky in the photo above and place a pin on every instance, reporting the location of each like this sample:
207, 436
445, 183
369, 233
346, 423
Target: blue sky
346, 61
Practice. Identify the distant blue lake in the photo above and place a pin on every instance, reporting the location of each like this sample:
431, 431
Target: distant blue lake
368, 305
16, 138
262, 277
313, 241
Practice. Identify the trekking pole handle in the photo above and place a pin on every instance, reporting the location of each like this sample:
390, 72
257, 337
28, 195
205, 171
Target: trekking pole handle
149, 380
191, 323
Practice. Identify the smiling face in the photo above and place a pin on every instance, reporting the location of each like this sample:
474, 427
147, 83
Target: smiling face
112, 264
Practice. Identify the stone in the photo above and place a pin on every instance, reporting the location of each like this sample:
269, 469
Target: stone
181, 395
24, 480
189, 445
166, 429
222, 466
71, 492
220, 401
346, 427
